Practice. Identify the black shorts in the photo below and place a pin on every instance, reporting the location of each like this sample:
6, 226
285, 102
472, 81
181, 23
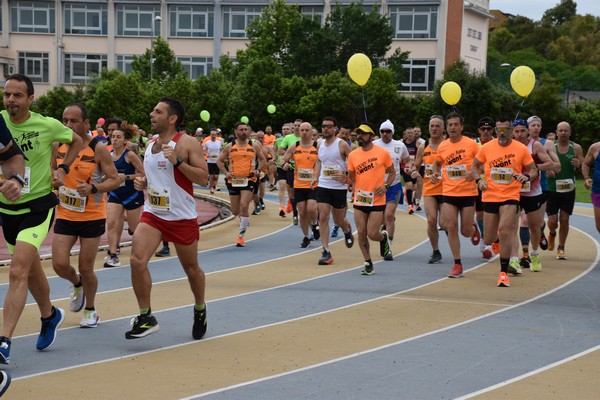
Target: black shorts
304, 194
281, 174
438, 198
213, 169
135, 200
368, 210
478, 202
564, 202
460, 202
407, 178
290, 177
236, 191
532, 203
334, 197
494, 207
12, 224
84, 229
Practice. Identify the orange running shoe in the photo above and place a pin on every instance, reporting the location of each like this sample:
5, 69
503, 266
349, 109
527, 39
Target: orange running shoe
476, 238
457, 271
240, 242
503, 280
496, 247
289, 207
487, 252
551, 239
411, 209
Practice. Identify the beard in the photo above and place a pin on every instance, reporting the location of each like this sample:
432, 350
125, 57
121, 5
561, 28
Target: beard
363, 143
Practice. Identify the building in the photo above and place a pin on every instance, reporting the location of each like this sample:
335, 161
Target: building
66, 42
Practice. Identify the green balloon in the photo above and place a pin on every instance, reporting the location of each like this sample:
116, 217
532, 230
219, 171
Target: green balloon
271, 109
205, 115
244, 119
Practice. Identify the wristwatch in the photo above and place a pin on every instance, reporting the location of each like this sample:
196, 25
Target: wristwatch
387, 185
18, 178
178, 163
65, 167
94, 189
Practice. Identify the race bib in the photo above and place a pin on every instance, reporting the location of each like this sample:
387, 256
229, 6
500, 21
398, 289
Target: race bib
159, 199
526, 187
239, 182
502, 176
565, 185
428, 170
305, 174
364, 198
71, 200
456, 172
25, 188
330, 170
213, 156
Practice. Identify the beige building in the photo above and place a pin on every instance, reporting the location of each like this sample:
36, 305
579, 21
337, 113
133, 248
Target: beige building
67, 42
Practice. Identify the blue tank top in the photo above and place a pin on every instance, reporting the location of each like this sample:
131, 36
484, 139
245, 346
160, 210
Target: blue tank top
596, 177
124, 167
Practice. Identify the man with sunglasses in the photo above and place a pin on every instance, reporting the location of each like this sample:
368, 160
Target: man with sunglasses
486, 131
393, 196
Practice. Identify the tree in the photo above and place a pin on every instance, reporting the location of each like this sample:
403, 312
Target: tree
165, 64
561, 13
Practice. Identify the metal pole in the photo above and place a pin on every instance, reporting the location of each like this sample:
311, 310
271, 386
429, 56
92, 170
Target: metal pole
156, 19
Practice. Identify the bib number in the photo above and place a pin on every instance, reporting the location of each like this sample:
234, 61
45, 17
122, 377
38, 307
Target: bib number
565, 185
239, 182
456, 172
428, 170
71, 200
159, 199
364, 198
330, 170
526, 187
305, 174
502, 176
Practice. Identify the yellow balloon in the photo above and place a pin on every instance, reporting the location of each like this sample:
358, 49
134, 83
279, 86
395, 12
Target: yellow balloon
450, 93
359, 68
522, 80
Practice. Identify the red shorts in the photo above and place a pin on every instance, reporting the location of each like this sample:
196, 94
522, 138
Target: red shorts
184, 231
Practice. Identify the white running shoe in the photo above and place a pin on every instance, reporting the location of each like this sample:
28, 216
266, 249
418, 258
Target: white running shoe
90, 319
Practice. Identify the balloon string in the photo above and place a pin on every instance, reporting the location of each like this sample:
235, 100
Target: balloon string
521, 106
364, 104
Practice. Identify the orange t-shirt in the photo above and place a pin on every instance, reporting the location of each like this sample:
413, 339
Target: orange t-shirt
369, 169
269, 140
456, 159
500, 165
241, 161
429, 157
306, 162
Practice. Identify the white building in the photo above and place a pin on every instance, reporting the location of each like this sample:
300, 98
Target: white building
66, 42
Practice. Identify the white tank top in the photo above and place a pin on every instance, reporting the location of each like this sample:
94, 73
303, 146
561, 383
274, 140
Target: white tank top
331, 160
170, 195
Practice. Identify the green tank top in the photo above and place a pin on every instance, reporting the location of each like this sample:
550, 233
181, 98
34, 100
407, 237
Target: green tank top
567, 171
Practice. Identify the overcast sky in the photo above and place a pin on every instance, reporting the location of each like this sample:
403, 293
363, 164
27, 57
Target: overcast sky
534, 9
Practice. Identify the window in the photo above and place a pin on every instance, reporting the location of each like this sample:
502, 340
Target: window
35, 66
86, 19
191, 21
82, 67
196, 66
314, 12
237, 19
32, 17
414, 22
124, 63
419, 76
137, 20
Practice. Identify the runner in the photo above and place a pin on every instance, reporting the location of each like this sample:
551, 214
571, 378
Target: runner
592, 182
285, 143
453, 167
432, 193
372, 171
212, 149
411, 184
485, 128
242, 175
394, 194
304, 155
332, 188
282, 186
507, 165
259, 189
81, 213
173, 162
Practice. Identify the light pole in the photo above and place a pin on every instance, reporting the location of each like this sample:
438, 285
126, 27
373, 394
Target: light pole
156, 19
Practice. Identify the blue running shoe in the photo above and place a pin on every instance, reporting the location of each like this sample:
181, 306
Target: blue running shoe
49, 329
334, 231
4, 382
4, 350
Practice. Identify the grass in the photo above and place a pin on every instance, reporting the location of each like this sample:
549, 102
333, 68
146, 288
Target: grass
582, 195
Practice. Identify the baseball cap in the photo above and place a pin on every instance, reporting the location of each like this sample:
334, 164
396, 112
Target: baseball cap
485, 121
520, 122
534, 118
364, 128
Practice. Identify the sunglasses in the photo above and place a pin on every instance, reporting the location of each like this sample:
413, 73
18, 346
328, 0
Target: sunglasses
486, 128
385, 130
327, 126
503, 130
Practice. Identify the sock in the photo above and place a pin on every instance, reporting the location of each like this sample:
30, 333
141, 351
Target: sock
244, 222
457, 261
326, 249
91, 308
145, 311
78, 284
52, 315
200, 307
525, 235
504, 265
534, 252
436, 252
369, 261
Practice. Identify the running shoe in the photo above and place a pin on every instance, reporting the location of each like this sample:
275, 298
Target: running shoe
289, 208
315, 231
164, 252
411, 210
503, 280
389, 256
240, 242
282, 212
543, 242
551, 239
256, 210
560, 254
525, 261
418, 208
142, 326
536, 263
496, 247
90, 319
436, 258
112, 261
349, 237
199, 327
77, 298
4, 350
262, 204
326, 258
305, 242
368, 269
514, 267
334, 231
50, 328
476, 235
4, 382
457, 271
272, 188
212, 190
384, 244
487, 252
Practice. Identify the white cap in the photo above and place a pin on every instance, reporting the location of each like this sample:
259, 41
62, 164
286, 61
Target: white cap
533, 118
387, 124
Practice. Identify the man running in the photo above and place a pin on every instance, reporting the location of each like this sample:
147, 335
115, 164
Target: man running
212, 149
592, 182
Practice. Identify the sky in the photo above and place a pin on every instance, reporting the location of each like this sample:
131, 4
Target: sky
534, 9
